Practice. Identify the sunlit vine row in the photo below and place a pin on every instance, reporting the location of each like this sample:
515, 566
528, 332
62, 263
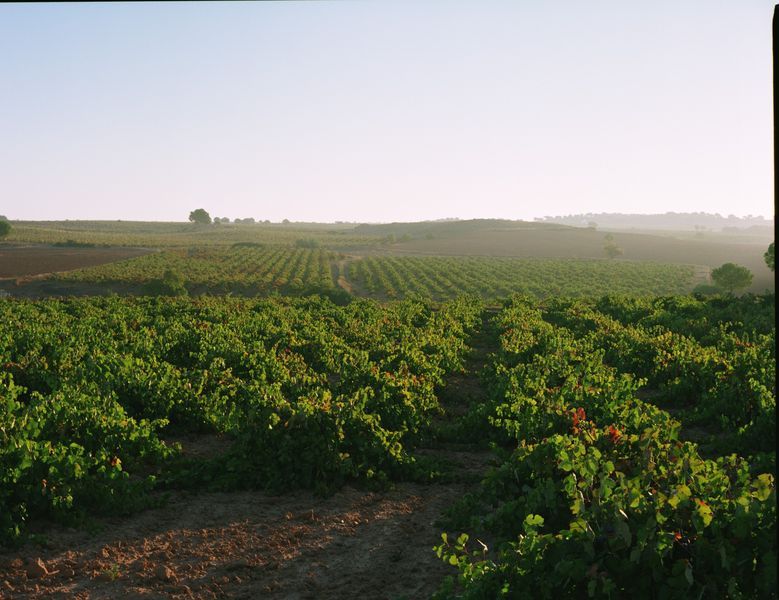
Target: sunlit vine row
448, 277
221, 269
595, 493
309, 393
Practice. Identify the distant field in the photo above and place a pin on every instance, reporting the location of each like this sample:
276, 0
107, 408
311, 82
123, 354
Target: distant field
237, 255
215, 269
25, 260
586, 243
489, 278
259, 271
155, 234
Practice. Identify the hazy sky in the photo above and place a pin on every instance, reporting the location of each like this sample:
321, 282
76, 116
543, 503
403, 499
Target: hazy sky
385, 110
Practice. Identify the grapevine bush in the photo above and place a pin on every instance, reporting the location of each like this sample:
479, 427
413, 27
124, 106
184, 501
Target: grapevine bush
595, 494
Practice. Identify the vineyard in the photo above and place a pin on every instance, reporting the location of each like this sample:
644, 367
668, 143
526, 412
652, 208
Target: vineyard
328, 301
633, 439
470, 247
240, 269
251, 270
313, 394
601, 494
182, 235
442, 278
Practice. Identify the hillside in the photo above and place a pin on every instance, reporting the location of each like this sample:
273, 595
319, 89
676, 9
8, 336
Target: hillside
569, 242
670, 221
450, 228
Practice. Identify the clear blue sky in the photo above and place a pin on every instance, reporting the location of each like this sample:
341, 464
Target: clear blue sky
385, 110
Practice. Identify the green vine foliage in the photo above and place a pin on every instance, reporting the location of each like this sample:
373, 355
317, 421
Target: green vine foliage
634, 438
310, 394
595, 494
67, 453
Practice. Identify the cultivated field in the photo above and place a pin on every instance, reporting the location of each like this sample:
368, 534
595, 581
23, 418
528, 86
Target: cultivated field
482, 238
308, 421
615, 427
711, 251
165, 235
490, 278
243, 270
296, 271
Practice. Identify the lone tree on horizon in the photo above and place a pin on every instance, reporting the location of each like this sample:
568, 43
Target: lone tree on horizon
200, 215
731, 277
5, 228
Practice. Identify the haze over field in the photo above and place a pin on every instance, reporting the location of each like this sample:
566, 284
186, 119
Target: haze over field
384, 111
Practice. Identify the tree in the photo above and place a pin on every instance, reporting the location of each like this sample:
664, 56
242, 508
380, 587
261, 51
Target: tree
769, 257
731, 277
5, 228
610, 248
200, 216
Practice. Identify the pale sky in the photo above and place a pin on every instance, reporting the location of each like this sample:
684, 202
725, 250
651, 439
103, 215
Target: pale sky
385, 110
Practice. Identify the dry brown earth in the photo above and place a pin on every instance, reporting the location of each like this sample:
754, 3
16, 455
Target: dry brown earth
20, 260
354, 544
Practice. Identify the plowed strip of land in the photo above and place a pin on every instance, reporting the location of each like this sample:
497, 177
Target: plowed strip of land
29, 260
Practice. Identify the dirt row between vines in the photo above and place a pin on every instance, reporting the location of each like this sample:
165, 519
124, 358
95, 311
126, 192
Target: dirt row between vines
354, 544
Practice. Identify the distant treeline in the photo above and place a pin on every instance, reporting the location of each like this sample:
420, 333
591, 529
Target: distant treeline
440, 228
699, 221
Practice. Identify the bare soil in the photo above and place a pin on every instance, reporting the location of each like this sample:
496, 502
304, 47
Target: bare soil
354, 544
339, 275
340, 269
18, 260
